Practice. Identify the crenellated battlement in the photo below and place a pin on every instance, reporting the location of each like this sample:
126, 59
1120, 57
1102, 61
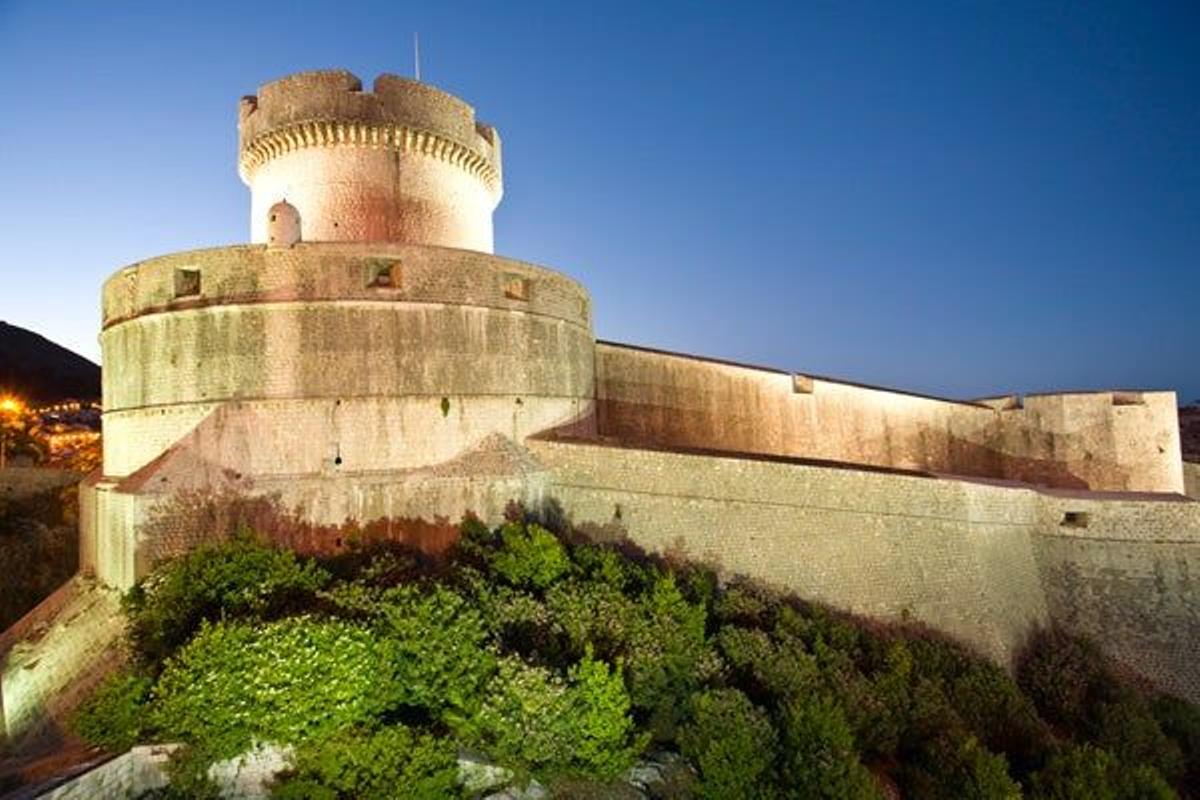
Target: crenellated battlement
329, 108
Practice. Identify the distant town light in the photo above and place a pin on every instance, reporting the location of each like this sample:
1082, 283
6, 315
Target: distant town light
11, 405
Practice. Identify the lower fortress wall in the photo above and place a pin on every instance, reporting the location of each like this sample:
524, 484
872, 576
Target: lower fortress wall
978, 560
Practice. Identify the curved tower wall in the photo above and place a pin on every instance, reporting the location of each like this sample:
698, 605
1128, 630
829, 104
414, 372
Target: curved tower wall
403, 163
351, 358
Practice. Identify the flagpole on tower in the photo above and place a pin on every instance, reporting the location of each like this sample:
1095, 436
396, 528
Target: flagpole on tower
416, 55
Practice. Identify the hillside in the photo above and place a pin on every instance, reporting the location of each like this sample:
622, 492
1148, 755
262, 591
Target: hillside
43, 372
1189, 432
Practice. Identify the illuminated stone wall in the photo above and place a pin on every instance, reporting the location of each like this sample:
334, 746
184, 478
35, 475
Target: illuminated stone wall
1102, 441
982, 562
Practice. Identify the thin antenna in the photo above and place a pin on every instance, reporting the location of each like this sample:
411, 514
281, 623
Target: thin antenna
417, 55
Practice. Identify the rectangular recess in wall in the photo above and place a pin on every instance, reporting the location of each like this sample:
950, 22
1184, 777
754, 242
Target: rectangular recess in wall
1128, 399
1075, 519
385, 275
187, 283
516, 287
802, 384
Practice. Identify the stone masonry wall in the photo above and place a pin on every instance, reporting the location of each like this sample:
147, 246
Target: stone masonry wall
1116, 441
980, 561
953, 554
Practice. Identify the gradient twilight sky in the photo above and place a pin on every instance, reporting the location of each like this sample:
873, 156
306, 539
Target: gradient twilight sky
960, 198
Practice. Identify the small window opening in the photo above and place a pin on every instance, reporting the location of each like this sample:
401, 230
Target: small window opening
516, 287
1075, 519
187, 282
337, 461
385, 275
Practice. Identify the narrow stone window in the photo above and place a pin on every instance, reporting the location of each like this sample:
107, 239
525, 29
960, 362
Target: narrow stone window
385, 275
1075, 519
516, 287
187, 283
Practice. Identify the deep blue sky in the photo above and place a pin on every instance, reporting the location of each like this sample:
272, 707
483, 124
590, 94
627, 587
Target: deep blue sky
958, 198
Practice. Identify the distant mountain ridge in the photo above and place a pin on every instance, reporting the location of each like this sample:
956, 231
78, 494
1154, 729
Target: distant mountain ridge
43, 372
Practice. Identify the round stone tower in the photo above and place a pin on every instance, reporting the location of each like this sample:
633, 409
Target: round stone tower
367, 358
403, 163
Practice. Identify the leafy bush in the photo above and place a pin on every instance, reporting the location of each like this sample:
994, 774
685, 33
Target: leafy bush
667, 656
958, 768
1127, 729
732, 744
532, 719
391, 763
238, 576
282, 682
1086, 772
529, 556
1181, 721
1065, 676
115, 716
438, 646
768, 669
818, 756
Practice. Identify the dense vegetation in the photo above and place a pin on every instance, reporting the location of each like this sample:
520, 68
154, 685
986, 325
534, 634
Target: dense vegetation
565, 660
39, 548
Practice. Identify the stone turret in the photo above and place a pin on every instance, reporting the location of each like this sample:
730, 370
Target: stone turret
403, 163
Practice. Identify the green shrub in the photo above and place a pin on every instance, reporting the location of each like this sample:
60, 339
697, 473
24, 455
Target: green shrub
532, 720
958, 768
438, 646
1065, 676
1181, 721
1087, 772
115, 716
1127, 729
766, 668
282, 682
594, 614
529, 555
391, 763
731, 743
993, 708
666, 656
235, 577
741, 605
818, 756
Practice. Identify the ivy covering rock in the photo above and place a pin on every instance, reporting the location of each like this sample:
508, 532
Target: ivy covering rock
538, 659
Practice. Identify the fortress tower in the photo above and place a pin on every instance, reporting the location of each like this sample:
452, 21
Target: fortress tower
365, 342
402, 163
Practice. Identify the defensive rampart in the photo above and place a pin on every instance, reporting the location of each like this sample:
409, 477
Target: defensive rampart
981, 561
1110, 441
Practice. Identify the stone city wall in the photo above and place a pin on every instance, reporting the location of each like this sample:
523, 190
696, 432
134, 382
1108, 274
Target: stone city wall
1103, 441
980, 561
953, 554
1127, 574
